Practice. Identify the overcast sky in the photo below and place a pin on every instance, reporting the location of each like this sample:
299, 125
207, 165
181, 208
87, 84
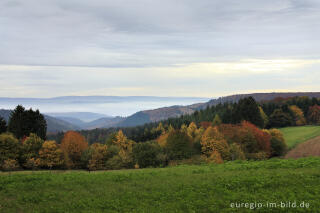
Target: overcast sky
204, 48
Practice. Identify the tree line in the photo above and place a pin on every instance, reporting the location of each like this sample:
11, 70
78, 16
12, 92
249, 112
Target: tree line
226, 132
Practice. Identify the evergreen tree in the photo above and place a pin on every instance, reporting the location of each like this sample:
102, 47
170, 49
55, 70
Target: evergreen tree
3, 125
247, 109
23, 122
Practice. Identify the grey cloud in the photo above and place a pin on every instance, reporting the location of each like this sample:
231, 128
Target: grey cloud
142, 33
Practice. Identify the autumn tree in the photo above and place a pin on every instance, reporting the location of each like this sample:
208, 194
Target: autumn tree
212, 140
264, 117
125, 145
216, 121
73, 145
30, 149
298, 115
314, 115
50, 155
9, 148
3, 125
261, 142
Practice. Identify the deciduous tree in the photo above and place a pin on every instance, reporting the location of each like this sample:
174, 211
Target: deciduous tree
314, 115
73, 145
50, 155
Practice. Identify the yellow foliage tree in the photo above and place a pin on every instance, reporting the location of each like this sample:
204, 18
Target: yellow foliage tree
192, 130
50, 155
298, 115
125, 145
212, 140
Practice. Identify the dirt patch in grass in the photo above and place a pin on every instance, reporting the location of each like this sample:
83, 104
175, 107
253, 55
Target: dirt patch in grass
306, 149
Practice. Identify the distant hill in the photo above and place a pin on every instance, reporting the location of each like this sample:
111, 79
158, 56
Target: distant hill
78, 116
76, 120
164, 113
54, 125
260, 97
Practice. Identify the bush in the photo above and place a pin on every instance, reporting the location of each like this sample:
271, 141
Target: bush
278, 144
257, 156
236, 152
215, 157
145, 154
10, 165
32, 163
114, 163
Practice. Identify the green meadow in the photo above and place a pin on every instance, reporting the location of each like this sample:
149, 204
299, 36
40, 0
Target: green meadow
297, 135
187, 188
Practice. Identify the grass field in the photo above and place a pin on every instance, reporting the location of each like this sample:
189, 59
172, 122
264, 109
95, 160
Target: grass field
297, 135
203, 188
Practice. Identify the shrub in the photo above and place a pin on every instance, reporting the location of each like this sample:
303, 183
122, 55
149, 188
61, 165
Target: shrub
10, 165
33, 163
114, 163
215, 157
257, 156
236, 152
278, 144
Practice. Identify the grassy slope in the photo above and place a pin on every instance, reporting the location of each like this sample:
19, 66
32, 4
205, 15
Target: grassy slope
297, 135
205, 188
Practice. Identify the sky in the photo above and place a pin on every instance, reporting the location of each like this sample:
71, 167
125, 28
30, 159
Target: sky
206, 48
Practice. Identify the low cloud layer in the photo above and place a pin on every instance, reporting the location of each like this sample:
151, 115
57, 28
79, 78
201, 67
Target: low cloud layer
166, 48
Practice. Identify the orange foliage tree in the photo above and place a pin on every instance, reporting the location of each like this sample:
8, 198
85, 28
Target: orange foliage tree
73, 145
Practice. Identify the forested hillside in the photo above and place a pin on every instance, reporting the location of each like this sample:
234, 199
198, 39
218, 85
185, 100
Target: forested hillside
279, 112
